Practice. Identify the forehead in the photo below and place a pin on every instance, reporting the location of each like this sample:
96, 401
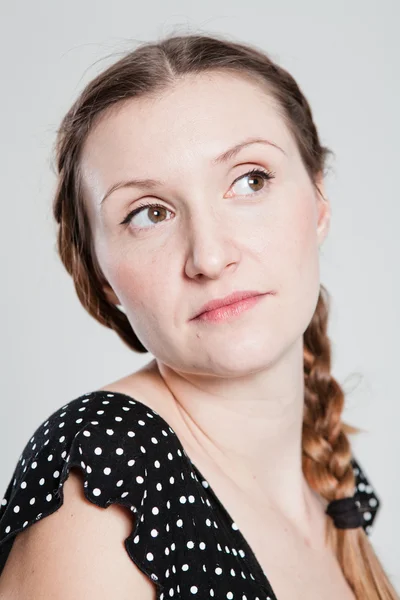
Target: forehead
194, 120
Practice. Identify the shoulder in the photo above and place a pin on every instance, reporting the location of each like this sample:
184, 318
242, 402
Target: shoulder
116, 442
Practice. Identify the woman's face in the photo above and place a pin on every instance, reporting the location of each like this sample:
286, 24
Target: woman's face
217, 230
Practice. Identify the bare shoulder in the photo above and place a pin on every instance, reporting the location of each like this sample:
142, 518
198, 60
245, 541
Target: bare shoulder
146, 386
69, 553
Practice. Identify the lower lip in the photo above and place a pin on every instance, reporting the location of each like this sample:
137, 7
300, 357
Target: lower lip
225, 313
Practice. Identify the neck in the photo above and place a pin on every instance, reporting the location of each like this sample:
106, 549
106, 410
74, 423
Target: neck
250, 427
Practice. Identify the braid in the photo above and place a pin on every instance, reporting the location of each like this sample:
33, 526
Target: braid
327, 459
326, 448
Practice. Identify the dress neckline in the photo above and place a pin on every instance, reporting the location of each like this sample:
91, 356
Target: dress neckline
250, 558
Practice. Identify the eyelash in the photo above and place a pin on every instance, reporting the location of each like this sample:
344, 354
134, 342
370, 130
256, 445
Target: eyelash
264, 173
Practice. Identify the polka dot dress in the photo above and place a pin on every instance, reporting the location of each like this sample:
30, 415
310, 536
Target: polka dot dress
182, 538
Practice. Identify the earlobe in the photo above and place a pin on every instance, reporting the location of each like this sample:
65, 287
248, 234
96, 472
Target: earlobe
324, 211
324, 215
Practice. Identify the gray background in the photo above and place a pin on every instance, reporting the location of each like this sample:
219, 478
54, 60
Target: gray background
345, 57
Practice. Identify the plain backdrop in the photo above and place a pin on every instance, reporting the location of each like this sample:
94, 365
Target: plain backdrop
345, 56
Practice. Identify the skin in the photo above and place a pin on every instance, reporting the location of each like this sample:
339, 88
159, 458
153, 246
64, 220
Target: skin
237, 386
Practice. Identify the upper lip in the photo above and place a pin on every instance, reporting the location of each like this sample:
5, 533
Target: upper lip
231, 299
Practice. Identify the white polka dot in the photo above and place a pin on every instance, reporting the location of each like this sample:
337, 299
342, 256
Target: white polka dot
149, 556
193, 589
185, 567
41, 482
131, 434
96, 492
16, 508
48, 497
154, 533
139, 479
34, 465
131, 462
107, 471
98, 450
23, 485
119, 451
155, 510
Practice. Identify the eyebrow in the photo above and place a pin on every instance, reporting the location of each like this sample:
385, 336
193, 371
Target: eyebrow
225, 156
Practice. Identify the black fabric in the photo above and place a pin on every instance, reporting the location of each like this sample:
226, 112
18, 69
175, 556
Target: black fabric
183, 539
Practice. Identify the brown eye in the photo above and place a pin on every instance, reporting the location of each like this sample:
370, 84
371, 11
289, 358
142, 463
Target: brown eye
255, 180
155, 213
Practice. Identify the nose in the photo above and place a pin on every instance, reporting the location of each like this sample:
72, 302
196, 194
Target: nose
211, 246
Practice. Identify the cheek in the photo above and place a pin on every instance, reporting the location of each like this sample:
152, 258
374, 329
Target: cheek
136, 282
137, 279
303, 242
291, 260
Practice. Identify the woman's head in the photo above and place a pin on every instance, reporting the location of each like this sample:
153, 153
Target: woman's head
210, 236
165, 111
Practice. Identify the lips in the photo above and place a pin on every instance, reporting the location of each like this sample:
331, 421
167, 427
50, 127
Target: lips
227, 300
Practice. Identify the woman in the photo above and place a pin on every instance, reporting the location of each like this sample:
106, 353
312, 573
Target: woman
191, 210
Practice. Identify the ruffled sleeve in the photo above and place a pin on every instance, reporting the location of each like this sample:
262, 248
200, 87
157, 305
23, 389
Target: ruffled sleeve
110, 460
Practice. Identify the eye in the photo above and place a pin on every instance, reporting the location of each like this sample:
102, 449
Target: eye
259, 178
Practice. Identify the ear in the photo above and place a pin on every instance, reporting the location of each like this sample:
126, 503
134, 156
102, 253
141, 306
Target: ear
323, 210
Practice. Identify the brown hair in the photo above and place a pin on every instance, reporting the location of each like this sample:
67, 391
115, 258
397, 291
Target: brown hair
149, 69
